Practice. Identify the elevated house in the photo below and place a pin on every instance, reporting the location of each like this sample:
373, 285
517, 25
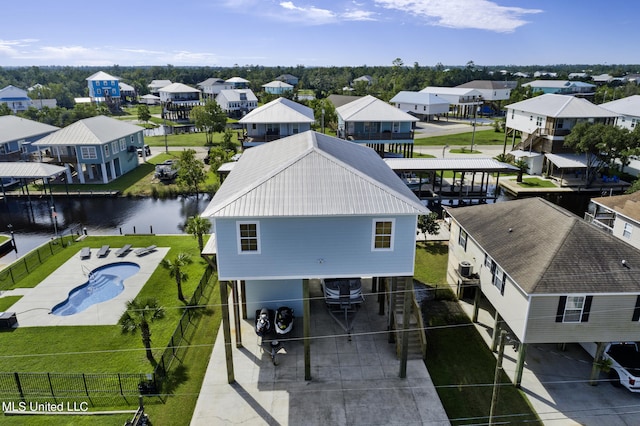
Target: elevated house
563, 87
155, 86
128, 93
545, 120
237, 102
238, 82
277, 119
493, 93
550, 276
277, 87
422, 105
372, 122
303, 207
288, 78
17, 136
95, 150
628, 110
619, 215
212, 87
177, 100
15, 98
105, 88
464, 102
363, 79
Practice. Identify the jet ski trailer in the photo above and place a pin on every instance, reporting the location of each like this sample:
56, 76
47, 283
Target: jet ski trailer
343, 297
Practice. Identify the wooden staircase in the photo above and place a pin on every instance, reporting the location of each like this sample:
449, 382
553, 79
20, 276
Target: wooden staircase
417, 348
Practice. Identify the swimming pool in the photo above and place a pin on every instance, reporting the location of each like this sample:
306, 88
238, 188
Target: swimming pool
104, 283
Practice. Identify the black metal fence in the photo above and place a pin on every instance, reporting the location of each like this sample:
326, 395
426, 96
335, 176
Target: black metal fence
27, 263
186, 326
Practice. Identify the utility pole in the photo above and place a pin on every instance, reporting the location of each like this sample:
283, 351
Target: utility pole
496, 378
473, 134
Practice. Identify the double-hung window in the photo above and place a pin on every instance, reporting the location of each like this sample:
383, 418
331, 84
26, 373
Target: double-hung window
462, 239
628, 228
383, 234
574, 308
248, 237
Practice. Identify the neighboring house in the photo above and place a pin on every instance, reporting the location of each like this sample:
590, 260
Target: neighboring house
521, 74
150, 99
340, 100
37, 101
619, 215
578, 75
602, 79
96, 149
550, 276
365, 78
370, 121
237, 102
277, 87
464, 102
544, 121
422, 105
178, 99
104, 87
127, 92
288, 78
211, 87
17, 136
493, 93
277, 119
156, 85
539, 74
238, 83
16, 99
562, 87
628, 110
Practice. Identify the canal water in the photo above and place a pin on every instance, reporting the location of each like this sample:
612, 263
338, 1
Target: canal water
32, 223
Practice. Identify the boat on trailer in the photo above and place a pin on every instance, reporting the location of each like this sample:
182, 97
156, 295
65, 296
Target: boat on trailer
343, 297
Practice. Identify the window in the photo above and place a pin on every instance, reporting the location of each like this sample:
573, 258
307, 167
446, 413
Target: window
498, 277
88, 152
627, 230
114, 147
383, 234
538, 121
248, 237
295, 128
462, 239
531, 118
123, 144
98, 91
573, 309
106, 150
560, 123
513, 113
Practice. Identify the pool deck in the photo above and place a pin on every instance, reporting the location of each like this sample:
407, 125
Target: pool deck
33, 309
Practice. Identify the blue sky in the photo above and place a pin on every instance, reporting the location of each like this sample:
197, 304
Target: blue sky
317, 32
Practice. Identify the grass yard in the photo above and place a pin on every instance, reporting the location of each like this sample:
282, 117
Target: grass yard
484, 137
463, 375
534, 182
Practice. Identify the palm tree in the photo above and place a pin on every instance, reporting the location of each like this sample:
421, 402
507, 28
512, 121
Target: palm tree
175, 270
197, 226
138, 316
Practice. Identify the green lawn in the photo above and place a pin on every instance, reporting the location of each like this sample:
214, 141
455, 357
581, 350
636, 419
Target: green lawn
484, 137
537, 183
463, 378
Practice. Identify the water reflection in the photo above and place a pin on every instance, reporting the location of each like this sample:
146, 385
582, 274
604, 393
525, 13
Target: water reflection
33, 224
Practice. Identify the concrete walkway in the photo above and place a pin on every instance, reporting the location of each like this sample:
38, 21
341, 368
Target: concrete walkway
353, 382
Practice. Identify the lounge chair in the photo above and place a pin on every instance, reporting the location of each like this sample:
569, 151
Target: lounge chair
145, 250
85, 253
123, 251
104, 250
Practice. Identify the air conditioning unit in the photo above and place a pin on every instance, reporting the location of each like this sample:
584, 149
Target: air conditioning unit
464, 269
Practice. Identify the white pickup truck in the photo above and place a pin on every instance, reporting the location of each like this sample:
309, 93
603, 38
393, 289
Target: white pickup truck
624, 359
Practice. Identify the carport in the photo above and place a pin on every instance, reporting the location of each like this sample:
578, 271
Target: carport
24, 172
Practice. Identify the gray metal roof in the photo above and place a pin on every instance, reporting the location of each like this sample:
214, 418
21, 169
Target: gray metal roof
558, 84
233, 95
178, 88
453, 91
548, 250
281, 110
312, 174
370, 108
14, 128
278, 83
90, 131
561, 106
488, 84
418, 98
457, 164
568, 161
629, 106
29, 170
101, 75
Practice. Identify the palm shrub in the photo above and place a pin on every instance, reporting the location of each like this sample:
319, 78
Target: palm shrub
138, 316
175, 270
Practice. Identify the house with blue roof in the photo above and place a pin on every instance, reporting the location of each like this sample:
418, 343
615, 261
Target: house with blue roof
17, 136
95, 150
309, 206
377, 124
562, 87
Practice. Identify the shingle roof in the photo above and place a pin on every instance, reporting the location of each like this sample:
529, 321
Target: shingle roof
15, 128
25, 170
561, 106
548, 250
629, 106
210, 82
90, 131
627, 204
281, 110
488, 84
370, 108
312, 174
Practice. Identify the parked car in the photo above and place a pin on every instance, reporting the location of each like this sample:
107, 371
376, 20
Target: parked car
147, 151
624, 363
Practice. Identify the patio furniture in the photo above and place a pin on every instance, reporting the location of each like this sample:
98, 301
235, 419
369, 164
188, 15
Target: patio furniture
124, 250
8, 320
104, 250
145, 250
85, 253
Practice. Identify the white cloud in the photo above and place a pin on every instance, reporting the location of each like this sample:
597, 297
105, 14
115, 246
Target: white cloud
358, 15
311, 14
477, 14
